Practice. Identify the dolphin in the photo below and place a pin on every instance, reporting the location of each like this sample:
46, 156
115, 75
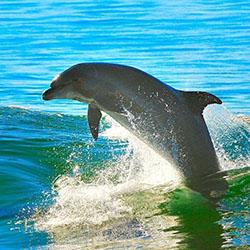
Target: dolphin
168, 120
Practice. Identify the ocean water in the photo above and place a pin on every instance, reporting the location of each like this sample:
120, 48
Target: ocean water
60, 189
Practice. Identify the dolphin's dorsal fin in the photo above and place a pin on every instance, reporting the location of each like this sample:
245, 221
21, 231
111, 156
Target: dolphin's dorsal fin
197, 100
94, 117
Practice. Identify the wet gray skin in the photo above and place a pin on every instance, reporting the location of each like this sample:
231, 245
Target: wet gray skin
168, 120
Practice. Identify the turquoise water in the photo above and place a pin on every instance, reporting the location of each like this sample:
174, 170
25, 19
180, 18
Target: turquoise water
60, 189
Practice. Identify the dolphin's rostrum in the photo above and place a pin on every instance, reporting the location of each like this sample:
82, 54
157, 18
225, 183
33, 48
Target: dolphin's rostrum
168, 120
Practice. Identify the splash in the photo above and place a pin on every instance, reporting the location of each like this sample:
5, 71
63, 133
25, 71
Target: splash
230, 135
144, 165
88, 204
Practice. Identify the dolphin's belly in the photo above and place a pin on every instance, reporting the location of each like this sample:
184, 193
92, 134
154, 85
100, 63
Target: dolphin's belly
175, 135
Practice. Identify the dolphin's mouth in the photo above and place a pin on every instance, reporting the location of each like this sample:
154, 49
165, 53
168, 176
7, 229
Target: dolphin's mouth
48, 94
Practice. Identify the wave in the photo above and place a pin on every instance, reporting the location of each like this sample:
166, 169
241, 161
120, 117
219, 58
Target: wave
107, 189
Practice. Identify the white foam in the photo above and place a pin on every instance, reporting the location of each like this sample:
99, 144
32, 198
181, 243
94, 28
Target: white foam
151, 168
138, 169
19, 107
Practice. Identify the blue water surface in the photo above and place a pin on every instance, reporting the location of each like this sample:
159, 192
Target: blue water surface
191, 45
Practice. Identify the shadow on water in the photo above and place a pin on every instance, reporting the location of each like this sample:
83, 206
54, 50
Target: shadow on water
198, 220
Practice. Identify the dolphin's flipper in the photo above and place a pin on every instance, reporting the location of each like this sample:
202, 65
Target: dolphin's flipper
94, 117
197, 100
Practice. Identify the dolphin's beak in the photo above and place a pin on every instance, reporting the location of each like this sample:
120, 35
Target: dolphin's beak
48, 94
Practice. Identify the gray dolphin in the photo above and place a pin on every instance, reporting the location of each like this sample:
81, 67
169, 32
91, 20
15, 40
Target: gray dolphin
169, 120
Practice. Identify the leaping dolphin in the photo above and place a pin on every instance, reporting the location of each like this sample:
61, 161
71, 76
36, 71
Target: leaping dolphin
168, 120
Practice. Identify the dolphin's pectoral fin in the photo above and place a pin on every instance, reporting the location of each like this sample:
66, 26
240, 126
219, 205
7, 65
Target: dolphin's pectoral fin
94, 117
197, 100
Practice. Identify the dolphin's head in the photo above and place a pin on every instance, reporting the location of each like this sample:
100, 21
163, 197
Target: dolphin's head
70, 84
